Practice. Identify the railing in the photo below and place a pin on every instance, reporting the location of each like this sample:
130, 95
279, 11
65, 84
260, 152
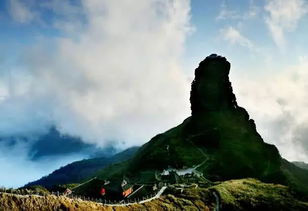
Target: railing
108, 202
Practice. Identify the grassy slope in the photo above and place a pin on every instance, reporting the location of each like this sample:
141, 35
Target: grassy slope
245, 194
297, 177
251, 194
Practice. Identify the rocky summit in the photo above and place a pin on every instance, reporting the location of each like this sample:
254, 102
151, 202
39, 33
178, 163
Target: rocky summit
211, 89
219, 133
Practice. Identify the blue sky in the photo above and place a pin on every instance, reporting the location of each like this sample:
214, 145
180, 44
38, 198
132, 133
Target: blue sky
111, 72
253, 41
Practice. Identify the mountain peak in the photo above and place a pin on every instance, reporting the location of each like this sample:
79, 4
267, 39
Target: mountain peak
219, 140
211, 89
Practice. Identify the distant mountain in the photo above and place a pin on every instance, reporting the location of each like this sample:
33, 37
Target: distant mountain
219, 139
301, 164
80, 170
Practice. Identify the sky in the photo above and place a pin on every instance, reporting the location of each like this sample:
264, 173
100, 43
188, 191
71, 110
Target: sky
112, 74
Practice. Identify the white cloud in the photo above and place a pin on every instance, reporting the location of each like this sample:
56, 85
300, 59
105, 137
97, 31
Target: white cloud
226, 13
279, 104
21, 11
233, 36
253, 10
283, 16
117, 79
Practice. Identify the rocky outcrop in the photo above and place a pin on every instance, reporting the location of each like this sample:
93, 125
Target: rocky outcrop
219, 133
211, 89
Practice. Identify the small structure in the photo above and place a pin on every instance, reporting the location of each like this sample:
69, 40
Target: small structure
165, 172
170, 176
103, 191
127, 191
174, 176
126, 187
67, 192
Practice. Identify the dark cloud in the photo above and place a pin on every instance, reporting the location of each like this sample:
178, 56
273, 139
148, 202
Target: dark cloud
55, 144
39, 155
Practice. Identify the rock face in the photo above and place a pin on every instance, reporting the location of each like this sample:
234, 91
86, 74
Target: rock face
211, 89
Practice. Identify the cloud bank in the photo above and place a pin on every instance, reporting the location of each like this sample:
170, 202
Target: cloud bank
108, 72
279, 103
115, 75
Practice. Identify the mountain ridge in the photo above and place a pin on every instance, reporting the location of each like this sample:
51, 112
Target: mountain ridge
80, 170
